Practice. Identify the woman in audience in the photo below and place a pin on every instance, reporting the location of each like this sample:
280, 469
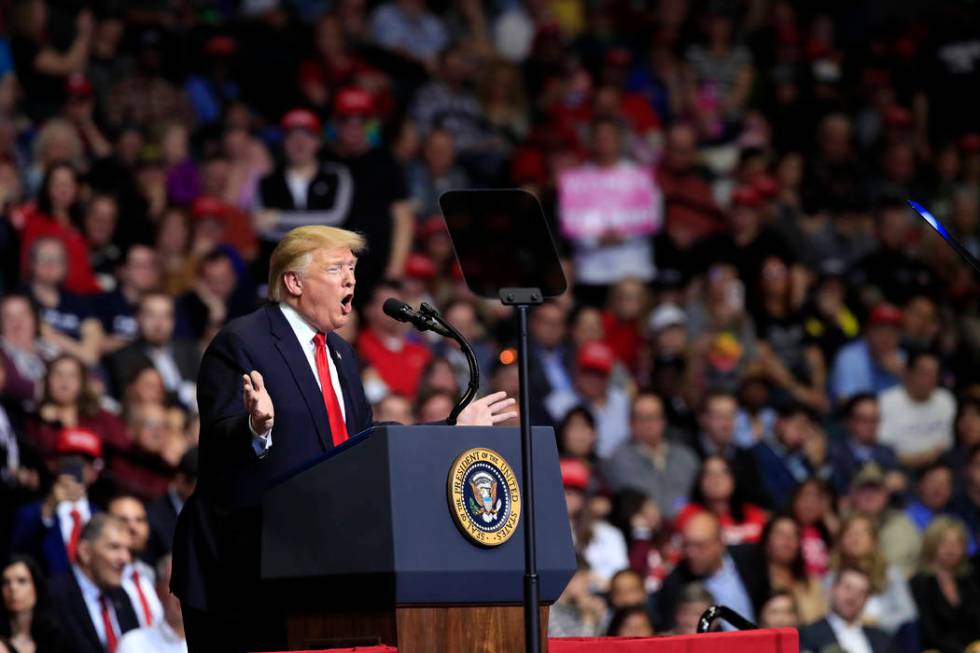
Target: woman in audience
786, 572
812, 507
601, 544
577, 435
716, 491
779, 611
651, 552
890, 605
68, 401
20, 351
55, 215
633, 621
577, 612
25, 617
946, 595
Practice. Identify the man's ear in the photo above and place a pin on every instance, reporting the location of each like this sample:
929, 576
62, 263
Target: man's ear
293, 283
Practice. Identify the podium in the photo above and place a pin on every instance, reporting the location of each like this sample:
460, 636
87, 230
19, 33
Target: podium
362, 548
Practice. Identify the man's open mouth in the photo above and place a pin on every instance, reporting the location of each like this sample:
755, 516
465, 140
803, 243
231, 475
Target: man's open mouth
345, 303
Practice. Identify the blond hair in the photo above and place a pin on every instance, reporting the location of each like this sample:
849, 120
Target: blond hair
294, 251
933, 536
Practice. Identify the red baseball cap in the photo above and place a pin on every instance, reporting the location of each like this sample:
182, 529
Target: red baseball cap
885, 315
897, 116
575, 474
420, 266
220, 46
766, 187
353, 101
79, 441
746, 196
301, 119
595, 356
208, 207
430, 226
78, 86
970, 142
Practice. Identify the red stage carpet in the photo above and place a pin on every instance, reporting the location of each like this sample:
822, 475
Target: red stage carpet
782, 640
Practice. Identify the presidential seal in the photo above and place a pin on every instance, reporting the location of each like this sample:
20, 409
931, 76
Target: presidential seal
484, 498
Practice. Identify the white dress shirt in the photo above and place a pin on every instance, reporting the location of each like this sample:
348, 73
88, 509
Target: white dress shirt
851, 637
65, 521
158, 638
147, 578
91, 594
304, 333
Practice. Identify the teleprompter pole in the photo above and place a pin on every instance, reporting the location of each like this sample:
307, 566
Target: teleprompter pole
521, 299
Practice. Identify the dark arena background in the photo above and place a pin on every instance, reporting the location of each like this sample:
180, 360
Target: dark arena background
763, 378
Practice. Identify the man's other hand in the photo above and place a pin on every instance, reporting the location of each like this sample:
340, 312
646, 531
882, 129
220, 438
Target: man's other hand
488, 411
258, 403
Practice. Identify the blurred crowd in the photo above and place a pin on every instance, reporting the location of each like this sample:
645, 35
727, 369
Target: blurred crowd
763, 378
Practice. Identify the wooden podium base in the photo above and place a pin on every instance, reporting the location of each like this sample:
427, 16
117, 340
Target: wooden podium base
469, 629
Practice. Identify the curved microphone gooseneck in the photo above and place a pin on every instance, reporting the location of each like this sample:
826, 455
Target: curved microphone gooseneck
474, 385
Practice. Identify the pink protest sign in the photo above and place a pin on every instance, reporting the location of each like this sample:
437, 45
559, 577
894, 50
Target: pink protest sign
622, 198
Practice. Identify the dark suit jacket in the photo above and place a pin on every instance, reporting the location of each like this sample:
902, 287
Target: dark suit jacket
817, 636
122, 364
216, 545
44, 543
74, 616
162, 517
941, 625
751, 569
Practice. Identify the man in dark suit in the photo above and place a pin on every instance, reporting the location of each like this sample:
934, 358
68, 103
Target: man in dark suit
734, 575
176, 360
89, 600
302, 396
49, 530
162, 512
841, 629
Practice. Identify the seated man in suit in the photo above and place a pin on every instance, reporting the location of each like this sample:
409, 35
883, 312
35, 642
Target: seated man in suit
89, 600
277, 388
138, 577
162, 512
49, 530
841, 629
732, 575
860, 445
176, 360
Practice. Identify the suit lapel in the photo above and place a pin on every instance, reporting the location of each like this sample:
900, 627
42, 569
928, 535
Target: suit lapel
125, 612
299, 367
80, 609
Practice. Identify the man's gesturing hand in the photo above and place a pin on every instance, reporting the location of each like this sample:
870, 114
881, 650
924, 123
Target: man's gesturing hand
258, 403
487, 411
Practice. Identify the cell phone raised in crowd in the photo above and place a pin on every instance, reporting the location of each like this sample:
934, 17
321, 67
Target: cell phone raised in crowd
73, 467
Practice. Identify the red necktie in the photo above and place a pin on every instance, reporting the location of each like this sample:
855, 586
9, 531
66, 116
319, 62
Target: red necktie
338, 429
148, 616
76, 531
110, 634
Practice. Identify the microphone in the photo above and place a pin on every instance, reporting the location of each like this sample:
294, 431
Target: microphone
429, 319
402, 312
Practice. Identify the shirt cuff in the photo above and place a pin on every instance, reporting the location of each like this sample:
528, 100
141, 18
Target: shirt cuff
261, 442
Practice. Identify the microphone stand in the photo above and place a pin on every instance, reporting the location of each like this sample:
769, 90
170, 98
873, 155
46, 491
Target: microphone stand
474, 385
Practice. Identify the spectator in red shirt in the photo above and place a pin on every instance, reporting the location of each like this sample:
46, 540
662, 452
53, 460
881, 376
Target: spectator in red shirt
715, 491
622, 321
54, 216
383, 345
